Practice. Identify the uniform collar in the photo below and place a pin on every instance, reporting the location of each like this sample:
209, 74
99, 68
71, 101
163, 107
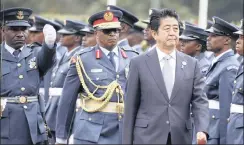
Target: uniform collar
10, 49
161, 54
68, 53
219, 56
106, 52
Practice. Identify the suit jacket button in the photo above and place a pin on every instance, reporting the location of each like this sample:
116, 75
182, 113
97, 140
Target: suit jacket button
167, 122
89, 119
213, 117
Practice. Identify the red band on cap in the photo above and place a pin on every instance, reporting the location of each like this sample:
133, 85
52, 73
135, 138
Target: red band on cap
100, 21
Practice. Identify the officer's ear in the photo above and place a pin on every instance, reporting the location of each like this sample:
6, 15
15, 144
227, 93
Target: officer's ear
227, 40
199, 47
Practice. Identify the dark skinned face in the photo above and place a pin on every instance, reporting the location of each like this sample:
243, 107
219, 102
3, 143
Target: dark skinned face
15, 36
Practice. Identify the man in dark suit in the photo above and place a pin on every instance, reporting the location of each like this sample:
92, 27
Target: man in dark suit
157, 103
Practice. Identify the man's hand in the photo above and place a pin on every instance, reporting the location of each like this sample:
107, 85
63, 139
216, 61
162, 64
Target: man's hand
201, 138
49, 35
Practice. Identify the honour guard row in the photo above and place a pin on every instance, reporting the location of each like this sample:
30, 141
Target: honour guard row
109, 81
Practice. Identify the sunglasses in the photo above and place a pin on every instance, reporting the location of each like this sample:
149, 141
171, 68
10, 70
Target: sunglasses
109, 31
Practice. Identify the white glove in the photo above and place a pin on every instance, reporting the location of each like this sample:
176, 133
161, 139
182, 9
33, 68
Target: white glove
3, 104
49, 35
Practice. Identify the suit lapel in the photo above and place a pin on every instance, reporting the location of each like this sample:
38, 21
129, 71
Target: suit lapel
154, 67
179, 74
103, 60
25, 53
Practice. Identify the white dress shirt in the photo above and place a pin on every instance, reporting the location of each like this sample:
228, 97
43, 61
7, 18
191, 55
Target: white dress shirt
172, 61
10, 49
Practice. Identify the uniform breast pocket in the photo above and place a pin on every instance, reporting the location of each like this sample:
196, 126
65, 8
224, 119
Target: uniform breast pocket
90, 127
99, 78
6, 78
33, 76
5, 123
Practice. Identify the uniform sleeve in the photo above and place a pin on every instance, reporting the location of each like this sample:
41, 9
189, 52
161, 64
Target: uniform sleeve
67, 103
132, 103
200, 102
45, 58
225, 96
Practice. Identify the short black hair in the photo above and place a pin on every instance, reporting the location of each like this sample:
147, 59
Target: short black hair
161, 14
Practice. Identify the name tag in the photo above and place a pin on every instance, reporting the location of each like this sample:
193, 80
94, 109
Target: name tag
96, 70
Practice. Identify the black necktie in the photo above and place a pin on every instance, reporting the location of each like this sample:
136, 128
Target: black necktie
111, 58
16, 53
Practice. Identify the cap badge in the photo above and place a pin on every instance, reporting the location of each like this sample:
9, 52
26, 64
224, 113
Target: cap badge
20, 15
108, 16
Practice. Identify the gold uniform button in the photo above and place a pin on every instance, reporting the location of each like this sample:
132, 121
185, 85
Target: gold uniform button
213, 117
21, 76
19, 64
22, 89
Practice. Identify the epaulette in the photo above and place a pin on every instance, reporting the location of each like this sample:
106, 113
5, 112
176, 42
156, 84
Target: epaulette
129, 50
84, 50
232, 67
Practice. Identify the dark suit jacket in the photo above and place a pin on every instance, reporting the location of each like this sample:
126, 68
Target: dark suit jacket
149, 113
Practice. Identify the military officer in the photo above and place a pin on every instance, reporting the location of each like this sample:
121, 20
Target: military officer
71, 38
219, 78
21, 120
99, 74
193, 43
127, 22
235, 125
89, 39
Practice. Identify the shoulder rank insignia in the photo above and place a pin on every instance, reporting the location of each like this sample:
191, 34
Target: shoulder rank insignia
73, 59
232, 67
98, 54
123, 53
